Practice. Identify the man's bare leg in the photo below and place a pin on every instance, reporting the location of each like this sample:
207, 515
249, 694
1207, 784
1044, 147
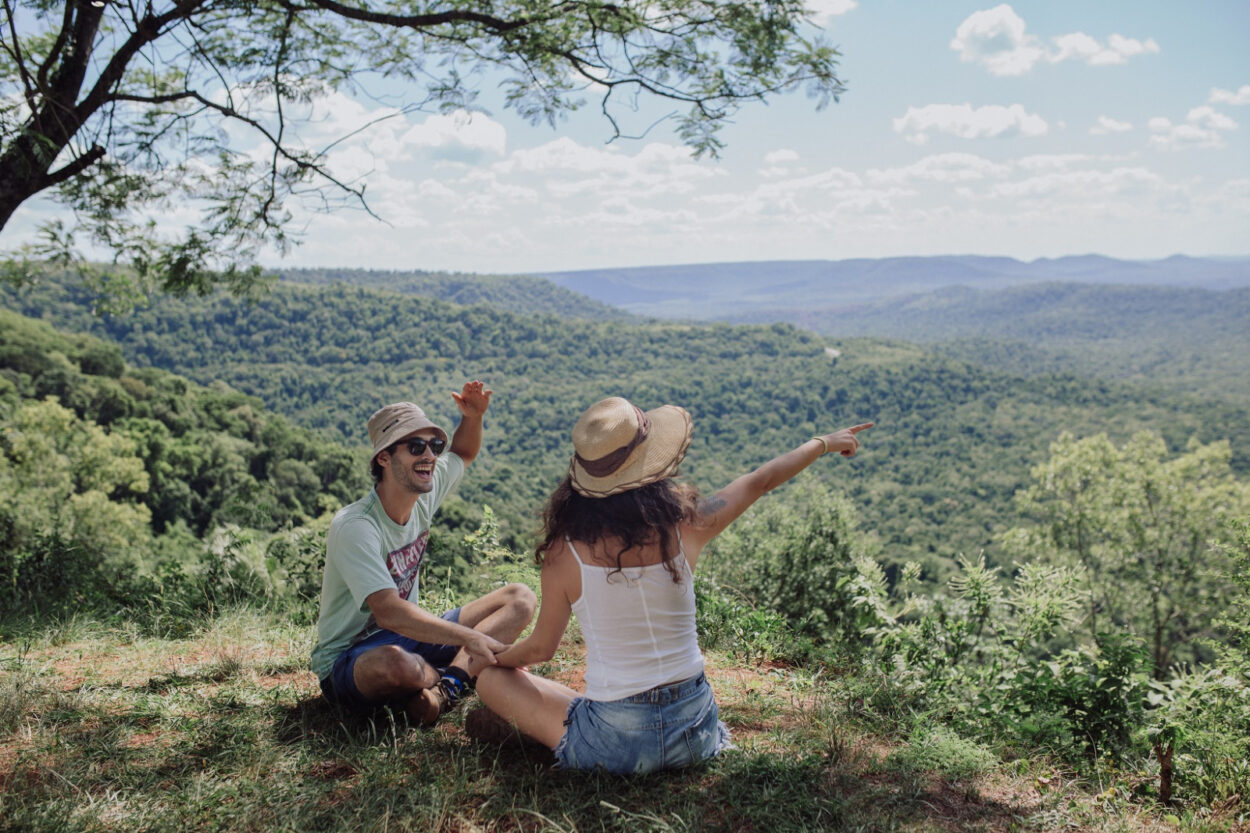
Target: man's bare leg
502, 614
389, 672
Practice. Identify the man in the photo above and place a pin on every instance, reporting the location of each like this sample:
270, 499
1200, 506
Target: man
375, 645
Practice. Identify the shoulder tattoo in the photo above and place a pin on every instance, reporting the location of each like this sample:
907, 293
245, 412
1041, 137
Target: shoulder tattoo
711, 505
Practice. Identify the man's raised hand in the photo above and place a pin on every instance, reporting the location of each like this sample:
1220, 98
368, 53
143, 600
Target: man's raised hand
474, 399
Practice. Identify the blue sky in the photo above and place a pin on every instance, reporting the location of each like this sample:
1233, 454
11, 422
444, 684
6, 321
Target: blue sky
1029, 129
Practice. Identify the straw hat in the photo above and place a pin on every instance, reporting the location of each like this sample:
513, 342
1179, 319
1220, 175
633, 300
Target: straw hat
394, 422
618, 447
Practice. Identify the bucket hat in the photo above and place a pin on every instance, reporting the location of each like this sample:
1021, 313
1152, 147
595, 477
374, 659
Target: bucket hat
396, 421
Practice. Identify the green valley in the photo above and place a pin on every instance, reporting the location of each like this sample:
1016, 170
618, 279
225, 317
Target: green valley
1025, 585
954, 441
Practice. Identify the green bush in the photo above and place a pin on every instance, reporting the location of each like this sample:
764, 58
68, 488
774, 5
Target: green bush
939, 749
295, 560
1198, 729
798, 555
730, 623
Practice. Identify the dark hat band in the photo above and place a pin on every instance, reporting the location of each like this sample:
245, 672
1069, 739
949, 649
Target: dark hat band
608, 463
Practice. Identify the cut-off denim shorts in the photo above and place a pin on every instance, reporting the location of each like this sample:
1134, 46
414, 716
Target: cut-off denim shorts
666, 727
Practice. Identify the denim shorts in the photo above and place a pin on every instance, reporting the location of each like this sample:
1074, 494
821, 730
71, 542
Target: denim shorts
340, 687
666, 727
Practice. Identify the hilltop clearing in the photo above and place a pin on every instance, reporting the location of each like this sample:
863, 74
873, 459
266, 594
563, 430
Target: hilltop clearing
106, 729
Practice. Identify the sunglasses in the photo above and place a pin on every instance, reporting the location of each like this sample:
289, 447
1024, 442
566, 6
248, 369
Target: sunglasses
417, 445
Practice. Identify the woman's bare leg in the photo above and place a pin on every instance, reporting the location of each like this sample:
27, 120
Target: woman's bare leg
535, 705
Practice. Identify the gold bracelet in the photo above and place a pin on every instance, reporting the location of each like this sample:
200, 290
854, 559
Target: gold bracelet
824, 444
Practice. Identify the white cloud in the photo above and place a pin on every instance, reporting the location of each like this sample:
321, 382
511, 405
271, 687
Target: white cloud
1204, 127
822, 11
1231, 199
816, 202
780, 156
1076, 45
998, 39
780, 163
1053, 161
1072, 187
472, 132
941, 167
1107, 125
566, 168
1131, 47
1238, 98
967, 122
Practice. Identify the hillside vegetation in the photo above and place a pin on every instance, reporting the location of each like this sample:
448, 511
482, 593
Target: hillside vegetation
953, 442
162, 554
515, 293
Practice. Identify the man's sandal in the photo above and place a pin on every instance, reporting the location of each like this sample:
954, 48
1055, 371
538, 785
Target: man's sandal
452, 688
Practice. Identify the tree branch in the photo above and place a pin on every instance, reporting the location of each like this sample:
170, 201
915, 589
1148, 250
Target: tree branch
230, 112
75, 167
54, 52
149, 29
277, 94
417, 21
29, 89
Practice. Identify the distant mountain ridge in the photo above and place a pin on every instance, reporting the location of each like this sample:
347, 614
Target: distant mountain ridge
1181, 323
1194, 340
725, 290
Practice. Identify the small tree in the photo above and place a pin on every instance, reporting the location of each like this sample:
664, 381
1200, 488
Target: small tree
1142, 526
803, 556
116, 107
71, 518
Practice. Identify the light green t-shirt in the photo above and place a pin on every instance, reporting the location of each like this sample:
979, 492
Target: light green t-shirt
366, 552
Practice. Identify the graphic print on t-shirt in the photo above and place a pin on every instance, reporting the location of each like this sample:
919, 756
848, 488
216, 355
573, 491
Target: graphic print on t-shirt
404, 564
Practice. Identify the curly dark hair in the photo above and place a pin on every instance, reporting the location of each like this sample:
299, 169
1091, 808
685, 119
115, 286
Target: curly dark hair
638, 517
375, 468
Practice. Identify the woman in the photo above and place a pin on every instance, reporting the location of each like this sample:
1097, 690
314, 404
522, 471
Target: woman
621, 540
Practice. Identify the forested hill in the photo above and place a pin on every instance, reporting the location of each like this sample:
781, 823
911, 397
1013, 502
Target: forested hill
952, 443
1195, 340
516, 293
1182, 338
210, 455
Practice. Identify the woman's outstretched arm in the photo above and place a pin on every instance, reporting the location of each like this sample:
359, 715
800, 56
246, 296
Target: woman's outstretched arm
717, 512
559, 571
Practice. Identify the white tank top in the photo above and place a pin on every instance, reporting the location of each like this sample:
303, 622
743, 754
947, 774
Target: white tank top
638, 625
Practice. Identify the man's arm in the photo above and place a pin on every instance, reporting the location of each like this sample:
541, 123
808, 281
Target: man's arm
407, 619
473, 401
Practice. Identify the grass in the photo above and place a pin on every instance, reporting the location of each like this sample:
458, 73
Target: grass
105, 728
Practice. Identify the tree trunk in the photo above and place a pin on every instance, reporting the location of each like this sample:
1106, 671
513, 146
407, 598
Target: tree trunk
27, 158
1164, 756
22, 175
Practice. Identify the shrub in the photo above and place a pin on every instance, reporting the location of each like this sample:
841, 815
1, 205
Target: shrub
941, 750
799, 557
730, 623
